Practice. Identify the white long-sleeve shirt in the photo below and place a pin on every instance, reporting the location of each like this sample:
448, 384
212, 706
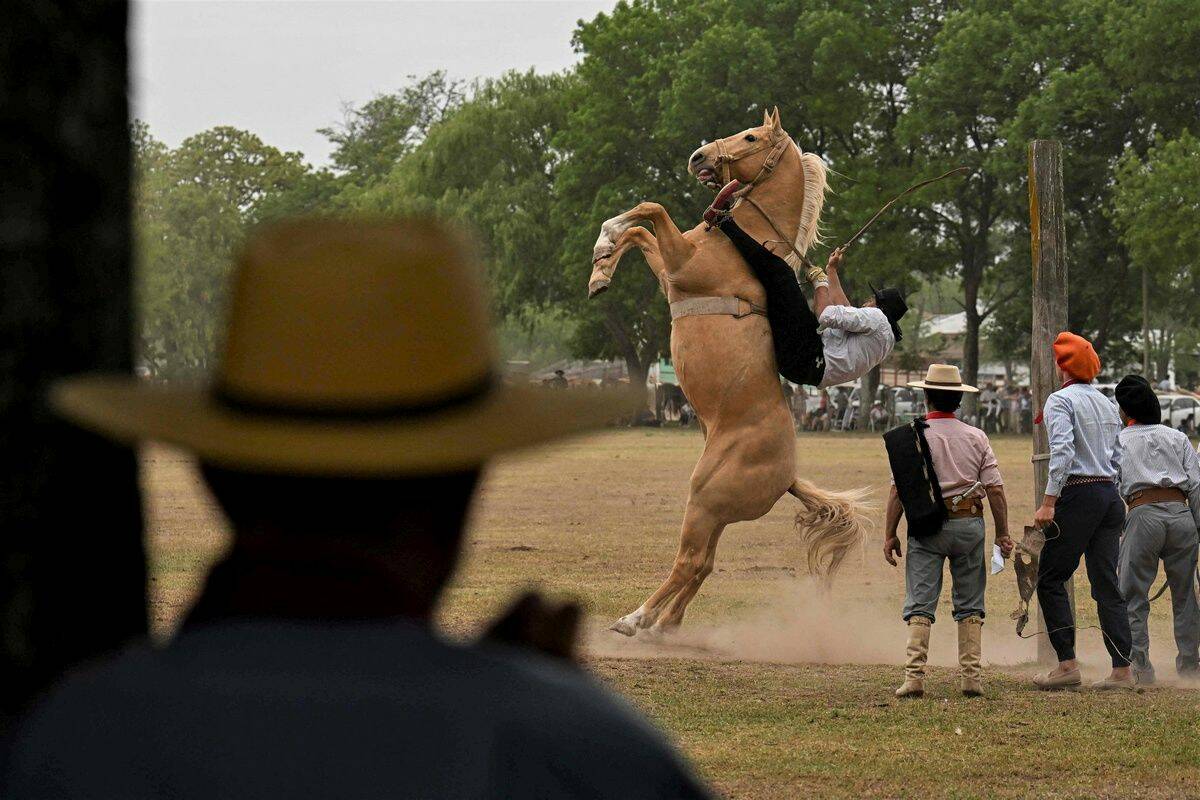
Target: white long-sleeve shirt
1159, 457
855, 340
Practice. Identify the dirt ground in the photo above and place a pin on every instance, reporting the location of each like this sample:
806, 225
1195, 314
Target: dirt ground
772, 688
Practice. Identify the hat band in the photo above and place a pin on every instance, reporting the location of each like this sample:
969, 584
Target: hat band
942, 383
353, 413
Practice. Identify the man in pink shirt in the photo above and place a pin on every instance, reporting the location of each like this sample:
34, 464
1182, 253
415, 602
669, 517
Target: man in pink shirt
962, 457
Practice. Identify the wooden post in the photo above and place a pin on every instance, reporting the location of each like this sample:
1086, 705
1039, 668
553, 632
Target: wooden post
1048, 245
72, 570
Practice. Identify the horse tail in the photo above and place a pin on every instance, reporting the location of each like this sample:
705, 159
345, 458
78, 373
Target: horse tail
830, 524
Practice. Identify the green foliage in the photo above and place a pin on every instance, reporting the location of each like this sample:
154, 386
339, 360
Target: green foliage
373, 138
193, 207
1155, 208
886, 91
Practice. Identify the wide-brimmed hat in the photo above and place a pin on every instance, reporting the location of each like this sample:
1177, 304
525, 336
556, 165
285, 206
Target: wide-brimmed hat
944, 377
351, 348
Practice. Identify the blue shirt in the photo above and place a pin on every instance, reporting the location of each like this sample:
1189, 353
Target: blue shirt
1083, 426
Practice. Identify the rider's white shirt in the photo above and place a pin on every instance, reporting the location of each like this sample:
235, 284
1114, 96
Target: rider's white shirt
855, 341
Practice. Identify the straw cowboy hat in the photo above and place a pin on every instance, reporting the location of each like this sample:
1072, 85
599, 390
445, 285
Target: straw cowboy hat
351, 348
943, 376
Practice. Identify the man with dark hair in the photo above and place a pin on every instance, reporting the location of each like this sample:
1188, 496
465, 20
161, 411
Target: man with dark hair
963, 462
355, 405
1160, 481
833, 344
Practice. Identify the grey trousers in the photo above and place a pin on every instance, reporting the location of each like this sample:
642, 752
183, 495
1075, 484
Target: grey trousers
961, 542
1166, 532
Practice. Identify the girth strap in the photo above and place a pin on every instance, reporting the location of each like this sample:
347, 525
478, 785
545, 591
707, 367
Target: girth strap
735, 307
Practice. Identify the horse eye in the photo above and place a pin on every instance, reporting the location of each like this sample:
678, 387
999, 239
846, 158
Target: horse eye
750, 137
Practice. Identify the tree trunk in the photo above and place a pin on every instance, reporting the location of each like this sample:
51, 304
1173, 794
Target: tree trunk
866, 397
634, 362
972, 278
73, 580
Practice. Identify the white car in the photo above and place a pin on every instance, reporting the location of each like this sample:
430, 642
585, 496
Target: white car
1180, 411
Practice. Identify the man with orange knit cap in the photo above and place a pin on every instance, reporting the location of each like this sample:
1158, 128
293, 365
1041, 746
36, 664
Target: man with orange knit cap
1082, 514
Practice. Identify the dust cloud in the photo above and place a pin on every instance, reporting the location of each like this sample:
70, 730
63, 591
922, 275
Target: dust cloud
807, 625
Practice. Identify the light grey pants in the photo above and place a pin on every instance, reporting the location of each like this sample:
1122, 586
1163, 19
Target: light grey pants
961, 542
1166, 532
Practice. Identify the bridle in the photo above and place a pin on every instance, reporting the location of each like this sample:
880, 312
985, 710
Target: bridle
778, 143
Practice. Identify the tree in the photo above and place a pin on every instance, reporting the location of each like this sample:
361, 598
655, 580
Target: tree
1155, 208
1110, 77
193, 207
491, 166
372, 138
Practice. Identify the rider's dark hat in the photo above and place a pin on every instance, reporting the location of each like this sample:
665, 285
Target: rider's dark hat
891, 303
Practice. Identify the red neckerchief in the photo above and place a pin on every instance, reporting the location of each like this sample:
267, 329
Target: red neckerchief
1038, 419
939, 415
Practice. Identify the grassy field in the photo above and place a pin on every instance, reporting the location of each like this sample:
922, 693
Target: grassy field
773, 688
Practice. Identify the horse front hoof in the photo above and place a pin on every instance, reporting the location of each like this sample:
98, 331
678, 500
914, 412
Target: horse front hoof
624, 627
597, 287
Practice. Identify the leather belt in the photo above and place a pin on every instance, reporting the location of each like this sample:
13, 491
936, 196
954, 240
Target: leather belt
1077, 480
735, 307
1156, 495
973, 508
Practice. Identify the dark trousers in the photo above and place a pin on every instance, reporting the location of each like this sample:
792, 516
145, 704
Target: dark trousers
1089, 519
799, 352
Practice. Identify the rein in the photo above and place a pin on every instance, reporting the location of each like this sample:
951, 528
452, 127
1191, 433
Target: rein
779, 145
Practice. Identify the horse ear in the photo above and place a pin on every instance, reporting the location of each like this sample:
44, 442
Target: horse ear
766, 117
775, 118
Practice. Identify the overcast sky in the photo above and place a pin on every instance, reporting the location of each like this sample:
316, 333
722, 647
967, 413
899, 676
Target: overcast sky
283, 68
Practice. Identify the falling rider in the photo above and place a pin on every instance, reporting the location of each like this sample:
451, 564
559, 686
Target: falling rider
835, 343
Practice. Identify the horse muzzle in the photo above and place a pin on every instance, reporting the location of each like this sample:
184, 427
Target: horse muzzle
706, 173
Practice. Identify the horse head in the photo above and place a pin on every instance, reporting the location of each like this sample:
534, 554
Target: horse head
792, 201
742, 155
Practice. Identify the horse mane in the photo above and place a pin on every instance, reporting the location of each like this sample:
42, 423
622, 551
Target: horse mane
815, 186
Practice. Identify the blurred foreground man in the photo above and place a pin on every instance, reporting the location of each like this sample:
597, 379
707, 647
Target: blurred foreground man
1082, 515
1160, 481
344, 434
964, 471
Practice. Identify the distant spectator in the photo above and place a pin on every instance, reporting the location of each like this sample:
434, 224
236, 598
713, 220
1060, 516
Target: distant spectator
879, 415
559, 381
1026, 406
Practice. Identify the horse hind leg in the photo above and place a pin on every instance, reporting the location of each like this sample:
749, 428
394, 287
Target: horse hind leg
693, 563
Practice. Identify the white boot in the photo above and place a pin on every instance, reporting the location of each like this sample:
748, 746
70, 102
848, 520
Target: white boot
918, 654
970, 656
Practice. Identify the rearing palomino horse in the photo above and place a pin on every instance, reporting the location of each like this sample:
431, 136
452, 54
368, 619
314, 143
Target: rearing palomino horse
722, 351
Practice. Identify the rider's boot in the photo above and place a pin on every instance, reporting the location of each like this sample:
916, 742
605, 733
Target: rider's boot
719, 209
